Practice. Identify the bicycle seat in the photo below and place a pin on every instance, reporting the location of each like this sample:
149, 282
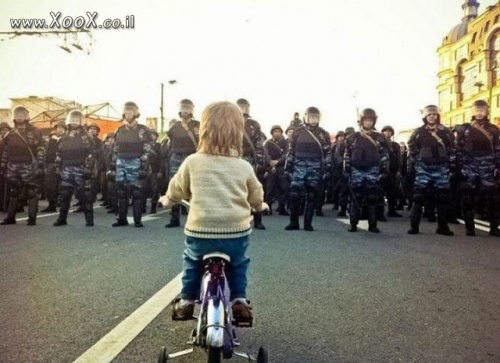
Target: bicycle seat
220, 255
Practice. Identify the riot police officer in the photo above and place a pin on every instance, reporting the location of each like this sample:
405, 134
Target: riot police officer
478, 154
183, 138
431, 159
74, 164
276, 184
308, 163
366, 164
130, 164
23, 162
253, 148
394, 176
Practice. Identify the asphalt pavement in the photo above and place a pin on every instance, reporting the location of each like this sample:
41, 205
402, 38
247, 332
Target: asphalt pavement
322, 296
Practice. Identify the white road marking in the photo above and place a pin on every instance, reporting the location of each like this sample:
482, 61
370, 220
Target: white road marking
364, 224
149, 217
106, 349
49, 214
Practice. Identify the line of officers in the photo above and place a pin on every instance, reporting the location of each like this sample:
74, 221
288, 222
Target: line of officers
443, 170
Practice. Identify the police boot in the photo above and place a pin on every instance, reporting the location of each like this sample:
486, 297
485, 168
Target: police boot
379, 212
50, 208
392, 210
343, 211
294, 216
308, 216
64, 209
174, 217
282, 209
89, 217
153, 207
122, 213
319, 212
11, 212
416, 214
442, 219
373, 211
257, 221
32, 210
494, 221
137, 211
353, 217
470, 227
89, 214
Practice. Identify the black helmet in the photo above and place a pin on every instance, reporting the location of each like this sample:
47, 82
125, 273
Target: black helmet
242, 101
349, 130
386, 128
4, 125
427, 110
95, 125
60, 123
276, 127
289, 128
312, 110
22, 109
340, 133
132, 104
368, 113
186, 105
480, 103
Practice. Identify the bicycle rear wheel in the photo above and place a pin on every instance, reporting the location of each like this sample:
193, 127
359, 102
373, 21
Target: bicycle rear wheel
214, 355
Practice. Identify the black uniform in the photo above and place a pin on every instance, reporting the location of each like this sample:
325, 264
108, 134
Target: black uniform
366, 164
478, 158
23, 164
276, 184
431, 158
183, 141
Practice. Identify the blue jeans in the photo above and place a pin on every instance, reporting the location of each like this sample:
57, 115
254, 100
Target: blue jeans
193, 264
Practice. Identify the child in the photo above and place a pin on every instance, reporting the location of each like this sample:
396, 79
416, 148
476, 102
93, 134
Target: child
222, 189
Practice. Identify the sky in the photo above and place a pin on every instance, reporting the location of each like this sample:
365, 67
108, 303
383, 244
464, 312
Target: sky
281, 55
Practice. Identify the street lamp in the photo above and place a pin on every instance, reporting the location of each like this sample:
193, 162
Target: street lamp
162, 122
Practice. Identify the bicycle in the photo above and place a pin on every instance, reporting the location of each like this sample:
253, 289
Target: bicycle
215, 331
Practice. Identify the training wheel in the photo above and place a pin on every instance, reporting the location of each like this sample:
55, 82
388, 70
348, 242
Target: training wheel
163, 356
262, 355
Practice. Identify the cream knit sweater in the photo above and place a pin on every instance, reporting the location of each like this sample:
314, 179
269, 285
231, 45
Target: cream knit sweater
221, 190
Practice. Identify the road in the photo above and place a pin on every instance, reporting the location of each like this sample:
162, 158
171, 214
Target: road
322, 296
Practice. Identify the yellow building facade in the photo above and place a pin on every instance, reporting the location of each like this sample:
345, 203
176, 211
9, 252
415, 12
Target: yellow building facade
469, 65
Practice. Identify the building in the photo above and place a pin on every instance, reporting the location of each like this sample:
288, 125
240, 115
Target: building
469, 65
45, 112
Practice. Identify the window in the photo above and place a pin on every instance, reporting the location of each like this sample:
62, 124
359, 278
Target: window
487, 26
479, 67
451, 89
498, 101
496, 19
474, 37
469, 89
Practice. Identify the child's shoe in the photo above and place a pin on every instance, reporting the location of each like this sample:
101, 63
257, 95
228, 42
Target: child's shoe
242, 313
182, 309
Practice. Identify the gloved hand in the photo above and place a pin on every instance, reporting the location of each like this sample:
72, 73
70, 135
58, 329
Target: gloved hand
40, 172
383, 178
143, 174
87, 173
111, 175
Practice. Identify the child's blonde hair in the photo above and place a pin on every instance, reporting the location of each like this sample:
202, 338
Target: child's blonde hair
221, 129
